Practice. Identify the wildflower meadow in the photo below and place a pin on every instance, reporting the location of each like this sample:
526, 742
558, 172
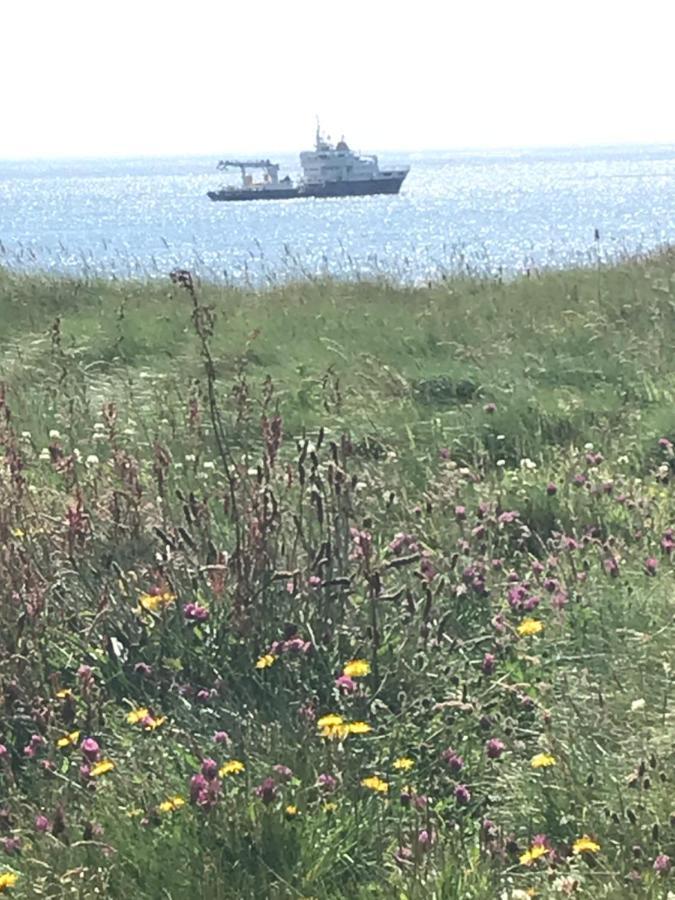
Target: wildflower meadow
338, 590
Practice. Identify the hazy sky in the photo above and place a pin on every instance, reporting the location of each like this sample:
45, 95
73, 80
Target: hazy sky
88, 77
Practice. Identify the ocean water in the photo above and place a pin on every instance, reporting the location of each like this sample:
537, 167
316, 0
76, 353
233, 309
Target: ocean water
495, 211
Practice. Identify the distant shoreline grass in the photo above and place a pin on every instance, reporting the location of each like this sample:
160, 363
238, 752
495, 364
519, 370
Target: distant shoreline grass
338, 590
581, 345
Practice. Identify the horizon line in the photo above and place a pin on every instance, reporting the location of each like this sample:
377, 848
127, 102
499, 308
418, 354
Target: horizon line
477, 148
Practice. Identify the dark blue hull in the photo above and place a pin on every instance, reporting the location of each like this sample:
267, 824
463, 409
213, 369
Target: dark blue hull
390, 185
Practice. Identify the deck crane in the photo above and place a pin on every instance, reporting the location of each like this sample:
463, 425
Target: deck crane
271, 169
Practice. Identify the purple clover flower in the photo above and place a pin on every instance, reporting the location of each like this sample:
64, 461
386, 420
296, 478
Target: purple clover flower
193, 612
462, 795
267, 791
209, 768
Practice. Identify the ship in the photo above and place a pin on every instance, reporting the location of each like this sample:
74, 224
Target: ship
327, 171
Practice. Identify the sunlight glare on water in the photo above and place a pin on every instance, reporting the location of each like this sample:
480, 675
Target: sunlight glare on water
491, 211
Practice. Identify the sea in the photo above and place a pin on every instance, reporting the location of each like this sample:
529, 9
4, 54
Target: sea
497, 212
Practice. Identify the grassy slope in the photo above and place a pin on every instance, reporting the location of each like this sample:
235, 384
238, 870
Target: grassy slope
568, 358
604, 337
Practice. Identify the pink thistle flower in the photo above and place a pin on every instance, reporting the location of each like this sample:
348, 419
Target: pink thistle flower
41, 823
499, 623
425, 839
11, 845
221, 737
86, 675
346, 684
33, 747
453, 760
327, 783
90, 749
427, 569
488, 664
494, 748
662, 863
198, 784
559, 600
611, 567
651, 566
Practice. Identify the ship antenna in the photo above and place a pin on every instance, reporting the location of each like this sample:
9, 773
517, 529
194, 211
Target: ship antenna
318, 133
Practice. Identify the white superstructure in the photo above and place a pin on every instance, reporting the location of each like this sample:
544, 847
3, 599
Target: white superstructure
327, 164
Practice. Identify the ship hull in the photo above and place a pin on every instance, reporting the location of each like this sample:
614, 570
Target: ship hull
243, 194
389, 185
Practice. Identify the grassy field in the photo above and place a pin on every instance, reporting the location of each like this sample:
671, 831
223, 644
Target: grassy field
339, 589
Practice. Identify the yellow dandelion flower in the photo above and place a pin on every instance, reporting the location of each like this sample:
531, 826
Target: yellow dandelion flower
375, 784
292, 810
156, 602
333, 727
585, 844
335, 732
18, 533
171, 804
330, 721
535, 852
135, 812
529, 627
137, 715
542, 761
231, 767
150, 723
64, 694
68, 740
102, 768
358, 727
356, 668
7, 880
403, 763
266, 661
329, 807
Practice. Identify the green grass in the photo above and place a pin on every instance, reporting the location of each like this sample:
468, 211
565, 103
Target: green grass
137, 439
